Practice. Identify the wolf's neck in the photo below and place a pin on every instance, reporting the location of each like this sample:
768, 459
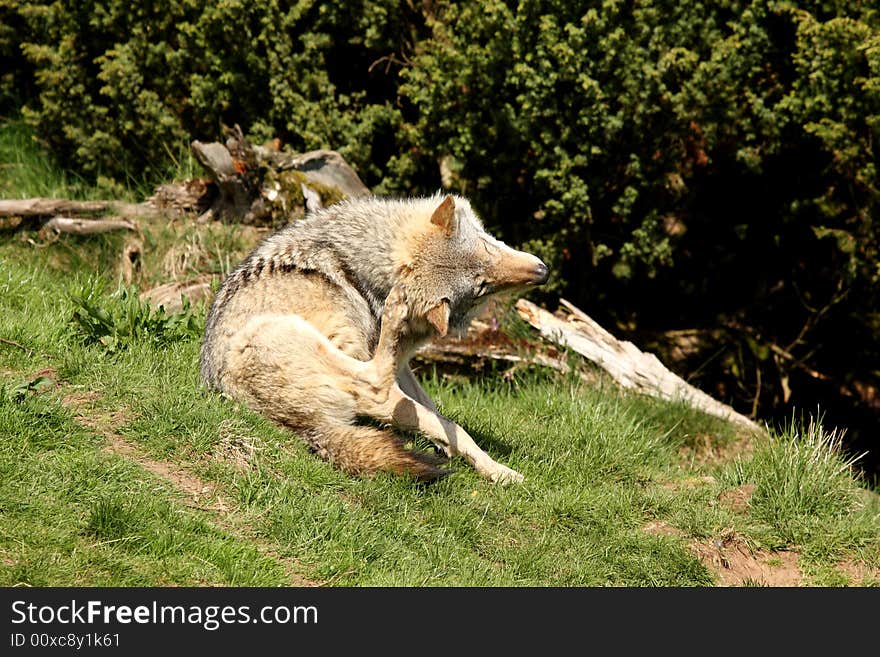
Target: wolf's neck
367, 249
367, 240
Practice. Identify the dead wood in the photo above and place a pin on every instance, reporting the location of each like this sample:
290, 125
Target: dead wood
238, 191
170, 296
74, 226
53, 207
484, 342
46, 207
194, 195
630, 367
327, 168
247, 183
263, 185
13, 343
476, 352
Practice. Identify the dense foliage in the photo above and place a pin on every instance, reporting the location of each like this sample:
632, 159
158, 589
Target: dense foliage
704, 167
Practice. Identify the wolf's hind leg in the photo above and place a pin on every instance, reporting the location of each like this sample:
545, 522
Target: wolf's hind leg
284, 367
380, 372
407, 413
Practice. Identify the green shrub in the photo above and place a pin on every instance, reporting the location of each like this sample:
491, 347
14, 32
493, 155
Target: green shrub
699, 165
119, 86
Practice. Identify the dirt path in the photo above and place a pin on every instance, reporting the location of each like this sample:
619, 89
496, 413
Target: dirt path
198, 493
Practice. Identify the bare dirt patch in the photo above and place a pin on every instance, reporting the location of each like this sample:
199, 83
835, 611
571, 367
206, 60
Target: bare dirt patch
706, 451
202, 495
205, 496
688, 482
738, 499
735, 564
76, 400
860, 573
46, 372
661, 528
235, 447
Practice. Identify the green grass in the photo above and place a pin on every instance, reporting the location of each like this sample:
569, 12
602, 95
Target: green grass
27, 170
805, 493
70, 515
84, 365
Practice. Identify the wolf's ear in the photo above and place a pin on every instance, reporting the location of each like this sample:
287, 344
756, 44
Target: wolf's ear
444, 216
438, 316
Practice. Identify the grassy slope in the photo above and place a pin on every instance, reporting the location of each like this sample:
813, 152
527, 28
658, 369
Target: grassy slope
235, 500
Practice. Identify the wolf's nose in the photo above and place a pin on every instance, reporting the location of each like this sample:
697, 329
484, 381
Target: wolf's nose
542, 273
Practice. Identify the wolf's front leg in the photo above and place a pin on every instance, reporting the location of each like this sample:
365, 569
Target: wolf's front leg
409, 414
411, 386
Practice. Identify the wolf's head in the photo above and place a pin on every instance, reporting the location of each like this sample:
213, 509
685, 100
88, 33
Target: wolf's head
455, 266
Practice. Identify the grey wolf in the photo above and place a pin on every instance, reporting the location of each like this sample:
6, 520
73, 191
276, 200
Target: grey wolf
316, 327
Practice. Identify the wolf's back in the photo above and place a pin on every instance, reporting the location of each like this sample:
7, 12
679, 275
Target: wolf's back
211, 354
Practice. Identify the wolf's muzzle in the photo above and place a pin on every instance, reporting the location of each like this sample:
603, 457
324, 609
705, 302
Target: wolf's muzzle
542, 273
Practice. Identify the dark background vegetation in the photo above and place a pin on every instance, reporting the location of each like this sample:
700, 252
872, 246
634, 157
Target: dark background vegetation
701, 176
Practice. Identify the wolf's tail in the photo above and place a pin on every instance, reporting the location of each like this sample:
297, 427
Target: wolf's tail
360, 450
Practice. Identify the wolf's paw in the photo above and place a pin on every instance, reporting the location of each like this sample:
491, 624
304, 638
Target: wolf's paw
504, 475
397, 294
396, 307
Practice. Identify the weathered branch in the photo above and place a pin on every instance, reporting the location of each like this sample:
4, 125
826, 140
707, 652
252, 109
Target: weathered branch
51, 207
13, 343
623, 361
72, 226
47, 207
171, 295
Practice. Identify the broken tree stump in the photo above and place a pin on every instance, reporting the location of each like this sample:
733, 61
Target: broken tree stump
263, 185
247, 183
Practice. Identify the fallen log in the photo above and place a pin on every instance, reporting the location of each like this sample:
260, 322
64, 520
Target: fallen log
630, 367
170, 296
74, 226
45, 207
52, 207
